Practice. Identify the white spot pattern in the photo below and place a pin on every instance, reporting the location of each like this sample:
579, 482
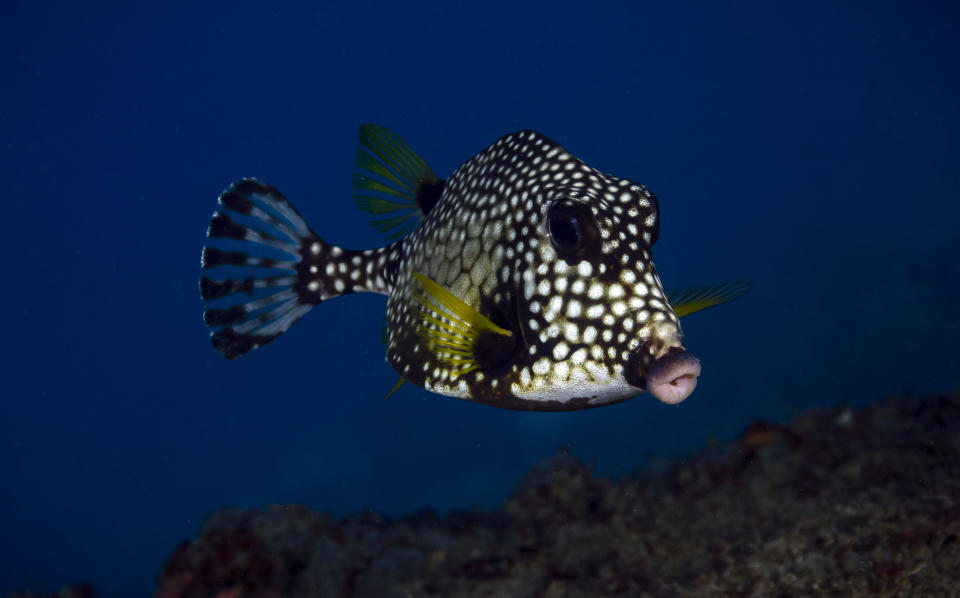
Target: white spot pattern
487, 242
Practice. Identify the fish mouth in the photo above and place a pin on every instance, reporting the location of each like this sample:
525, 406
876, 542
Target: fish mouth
673, 377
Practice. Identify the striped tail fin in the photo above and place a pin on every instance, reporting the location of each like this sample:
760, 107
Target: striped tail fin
264, 268
252, 268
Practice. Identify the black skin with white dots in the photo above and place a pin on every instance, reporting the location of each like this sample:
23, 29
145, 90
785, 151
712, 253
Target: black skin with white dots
545, 298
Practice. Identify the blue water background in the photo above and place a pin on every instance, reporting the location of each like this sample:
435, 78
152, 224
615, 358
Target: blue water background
809, 146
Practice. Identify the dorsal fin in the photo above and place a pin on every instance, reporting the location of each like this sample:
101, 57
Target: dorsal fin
392, 180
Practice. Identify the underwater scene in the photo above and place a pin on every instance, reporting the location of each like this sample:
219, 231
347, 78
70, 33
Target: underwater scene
508, 299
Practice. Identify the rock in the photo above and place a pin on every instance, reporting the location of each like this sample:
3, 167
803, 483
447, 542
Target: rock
836, 503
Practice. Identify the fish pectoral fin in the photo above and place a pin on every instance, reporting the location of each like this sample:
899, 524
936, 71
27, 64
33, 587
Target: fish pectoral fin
458, 336
391, 180
395, 388
694, 299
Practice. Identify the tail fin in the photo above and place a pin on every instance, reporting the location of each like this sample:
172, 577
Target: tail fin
255, 245
264, 268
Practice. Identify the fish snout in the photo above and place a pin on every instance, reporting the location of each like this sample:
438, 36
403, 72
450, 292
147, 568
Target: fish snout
664, 367
673, 377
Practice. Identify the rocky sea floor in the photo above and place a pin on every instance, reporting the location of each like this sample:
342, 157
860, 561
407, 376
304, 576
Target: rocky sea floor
839, 502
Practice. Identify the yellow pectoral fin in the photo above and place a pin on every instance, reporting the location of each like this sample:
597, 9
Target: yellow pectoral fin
456, 334
395, 388
694, 299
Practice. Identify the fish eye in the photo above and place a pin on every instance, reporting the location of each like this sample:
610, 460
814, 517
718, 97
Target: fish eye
571, 228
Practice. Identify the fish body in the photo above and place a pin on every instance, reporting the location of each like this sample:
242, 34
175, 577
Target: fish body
525, 280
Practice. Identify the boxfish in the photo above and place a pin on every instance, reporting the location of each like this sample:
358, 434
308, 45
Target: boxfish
524, 280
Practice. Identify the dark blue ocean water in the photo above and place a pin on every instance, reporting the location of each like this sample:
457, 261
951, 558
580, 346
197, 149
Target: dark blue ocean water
810, 147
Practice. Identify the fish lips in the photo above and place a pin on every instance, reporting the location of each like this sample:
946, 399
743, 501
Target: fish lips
671, 378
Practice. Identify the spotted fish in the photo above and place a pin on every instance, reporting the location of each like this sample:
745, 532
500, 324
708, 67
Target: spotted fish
524, 280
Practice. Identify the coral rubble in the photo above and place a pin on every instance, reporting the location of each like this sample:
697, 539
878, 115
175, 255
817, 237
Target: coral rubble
839, 502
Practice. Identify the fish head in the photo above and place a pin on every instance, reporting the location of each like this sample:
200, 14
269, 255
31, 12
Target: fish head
598, 324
